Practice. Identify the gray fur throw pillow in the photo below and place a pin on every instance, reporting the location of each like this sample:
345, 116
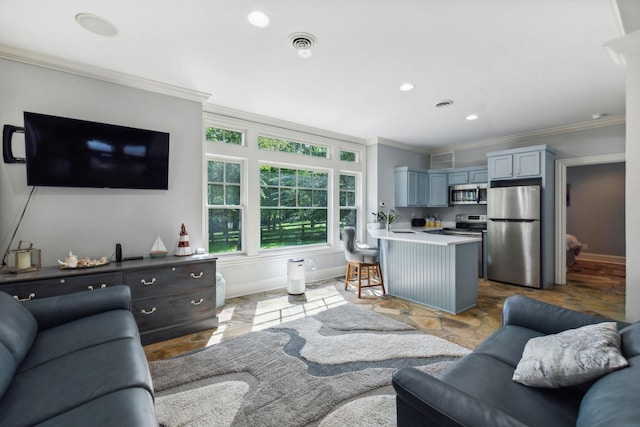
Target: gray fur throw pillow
570, 357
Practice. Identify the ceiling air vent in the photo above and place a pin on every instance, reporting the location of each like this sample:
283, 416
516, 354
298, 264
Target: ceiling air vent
443, 161
302, 43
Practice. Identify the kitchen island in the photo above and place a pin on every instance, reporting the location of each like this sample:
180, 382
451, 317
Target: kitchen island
436, 270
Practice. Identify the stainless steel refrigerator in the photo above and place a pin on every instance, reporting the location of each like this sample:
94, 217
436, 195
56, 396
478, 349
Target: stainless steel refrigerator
513, 234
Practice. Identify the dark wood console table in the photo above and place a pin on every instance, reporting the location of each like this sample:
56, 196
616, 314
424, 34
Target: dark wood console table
171, 296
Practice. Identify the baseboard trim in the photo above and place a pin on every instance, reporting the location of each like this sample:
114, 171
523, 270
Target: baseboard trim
248, 288
610, 259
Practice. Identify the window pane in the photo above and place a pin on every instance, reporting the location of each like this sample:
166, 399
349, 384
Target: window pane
288, 197
288, 177
292, 227
215, 171
305, 179
320, 198
269, 196
232, 173
225, 230
233, 194
347, 182
305, 198
348, 218
348, 156
269, 175
223, 135
320, 180
351, 199
274, 144
216, 194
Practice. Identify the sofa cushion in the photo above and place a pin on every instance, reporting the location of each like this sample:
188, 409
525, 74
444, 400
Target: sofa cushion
71, 380
489, 381
570, 357
612, 400
506, 344
18, 329
131, 407
82, 333
630, 340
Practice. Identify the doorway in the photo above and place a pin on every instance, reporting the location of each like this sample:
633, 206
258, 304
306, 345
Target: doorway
561, 204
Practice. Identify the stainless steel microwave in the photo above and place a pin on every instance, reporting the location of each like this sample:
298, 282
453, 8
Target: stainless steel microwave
468, 194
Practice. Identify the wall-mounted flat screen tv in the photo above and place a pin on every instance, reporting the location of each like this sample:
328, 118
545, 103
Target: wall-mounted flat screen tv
64, 152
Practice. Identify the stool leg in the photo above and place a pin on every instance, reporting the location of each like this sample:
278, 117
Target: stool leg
346, 276
380, 277
359, 280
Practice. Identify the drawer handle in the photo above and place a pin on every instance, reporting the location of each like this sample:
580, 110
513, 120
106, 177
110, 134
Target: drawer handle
198, 302
143, 311
193, 276
144, 282
91, 287
29, 298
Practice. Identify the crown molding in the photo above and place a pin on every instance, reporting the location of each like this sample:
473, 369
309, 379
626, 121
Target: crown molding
577, 127
624, 47
231, 113
98, 73
400, 145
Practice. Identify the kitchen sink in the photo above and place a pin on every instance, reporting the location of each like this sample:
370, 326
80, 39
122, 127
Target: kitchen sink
403, 231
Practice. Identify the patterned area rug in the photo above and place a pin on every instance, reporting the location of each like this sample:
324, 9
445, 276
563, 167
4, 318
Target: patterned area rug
330, 369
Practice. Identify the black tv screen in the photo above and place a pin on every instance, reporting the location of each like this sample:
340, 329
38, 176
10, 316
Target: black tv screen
63, 152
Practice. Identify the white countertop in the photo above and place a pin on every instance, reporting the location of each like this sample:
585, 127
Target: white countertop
418, 235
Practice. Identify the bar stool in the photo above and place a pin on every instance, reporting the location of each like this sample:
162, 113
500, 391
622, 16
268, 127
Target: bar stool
362, 262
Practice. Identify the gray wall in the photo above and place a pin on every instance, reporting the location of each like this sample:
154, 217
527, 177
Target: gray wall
90, 221
584, 143
595, 214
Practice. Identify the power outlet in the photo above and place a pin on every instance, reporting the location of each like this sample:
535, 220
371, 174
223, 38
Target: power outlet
585, 246
312, 264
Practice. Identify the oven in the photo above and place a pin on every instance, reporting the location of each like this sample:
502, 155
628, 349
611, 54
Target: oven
475, 226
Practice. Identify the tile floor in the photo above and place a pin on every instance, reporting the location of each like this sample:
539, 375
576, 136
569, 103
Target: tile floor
591, 287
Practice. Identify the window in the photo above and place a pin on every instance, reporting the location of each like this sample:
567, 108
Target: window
282, 145
348, 210
348, 156
293, 207
224, 210
224, 136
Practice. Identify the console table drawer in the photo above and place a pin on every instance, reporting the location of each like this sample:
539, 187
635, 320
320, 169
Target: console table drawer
152, 313
60, 286
171, 279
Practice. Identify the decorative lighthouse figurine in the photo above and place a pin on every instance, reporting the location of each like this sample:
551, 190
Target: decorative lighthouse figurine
183, 248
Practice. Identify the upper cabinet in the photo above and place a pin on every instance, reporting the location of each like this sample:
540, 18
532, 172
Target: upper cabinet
411, 187
519, 163
438, 192
430, 188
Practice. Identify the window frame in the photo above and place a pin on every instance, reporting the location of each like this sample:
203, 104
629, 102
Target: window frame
242, 200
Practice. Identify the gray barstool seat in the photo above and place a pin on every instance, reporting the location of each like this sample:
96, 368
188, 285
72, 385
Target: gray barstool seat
363, 263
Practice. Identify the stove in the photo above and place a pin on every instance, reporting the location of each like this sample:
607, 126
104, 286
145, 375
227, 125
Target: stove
468, 224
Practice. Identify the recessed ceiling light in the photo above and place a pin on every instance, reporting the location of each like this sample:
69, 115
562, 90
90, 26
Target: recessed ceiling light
405, 87
96, 24
258, 19
472, 117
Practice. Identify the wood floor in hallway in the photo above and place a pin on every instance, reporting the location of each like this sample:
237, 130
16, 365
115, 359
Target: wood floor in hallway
592, 287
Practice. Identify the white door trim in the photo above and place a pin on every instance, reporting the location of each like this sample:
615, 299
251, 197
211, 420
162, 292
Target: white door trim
561, 205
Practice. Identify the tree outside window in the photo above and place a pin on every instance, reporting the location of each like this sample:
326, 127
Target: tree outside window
224, 206
293, 207
348, 209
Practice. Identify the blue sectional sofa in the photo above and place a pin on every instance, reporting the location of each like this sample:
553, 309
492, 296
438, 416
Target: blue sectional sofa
479, 389
73, 360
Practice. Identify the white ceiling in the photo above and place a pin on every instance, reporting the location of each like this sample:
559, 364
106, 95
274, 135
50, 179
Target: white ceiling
521, 65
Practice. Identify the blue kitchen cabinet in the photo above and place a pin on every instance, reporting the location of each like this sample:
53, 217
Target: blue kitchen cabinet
438, 190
